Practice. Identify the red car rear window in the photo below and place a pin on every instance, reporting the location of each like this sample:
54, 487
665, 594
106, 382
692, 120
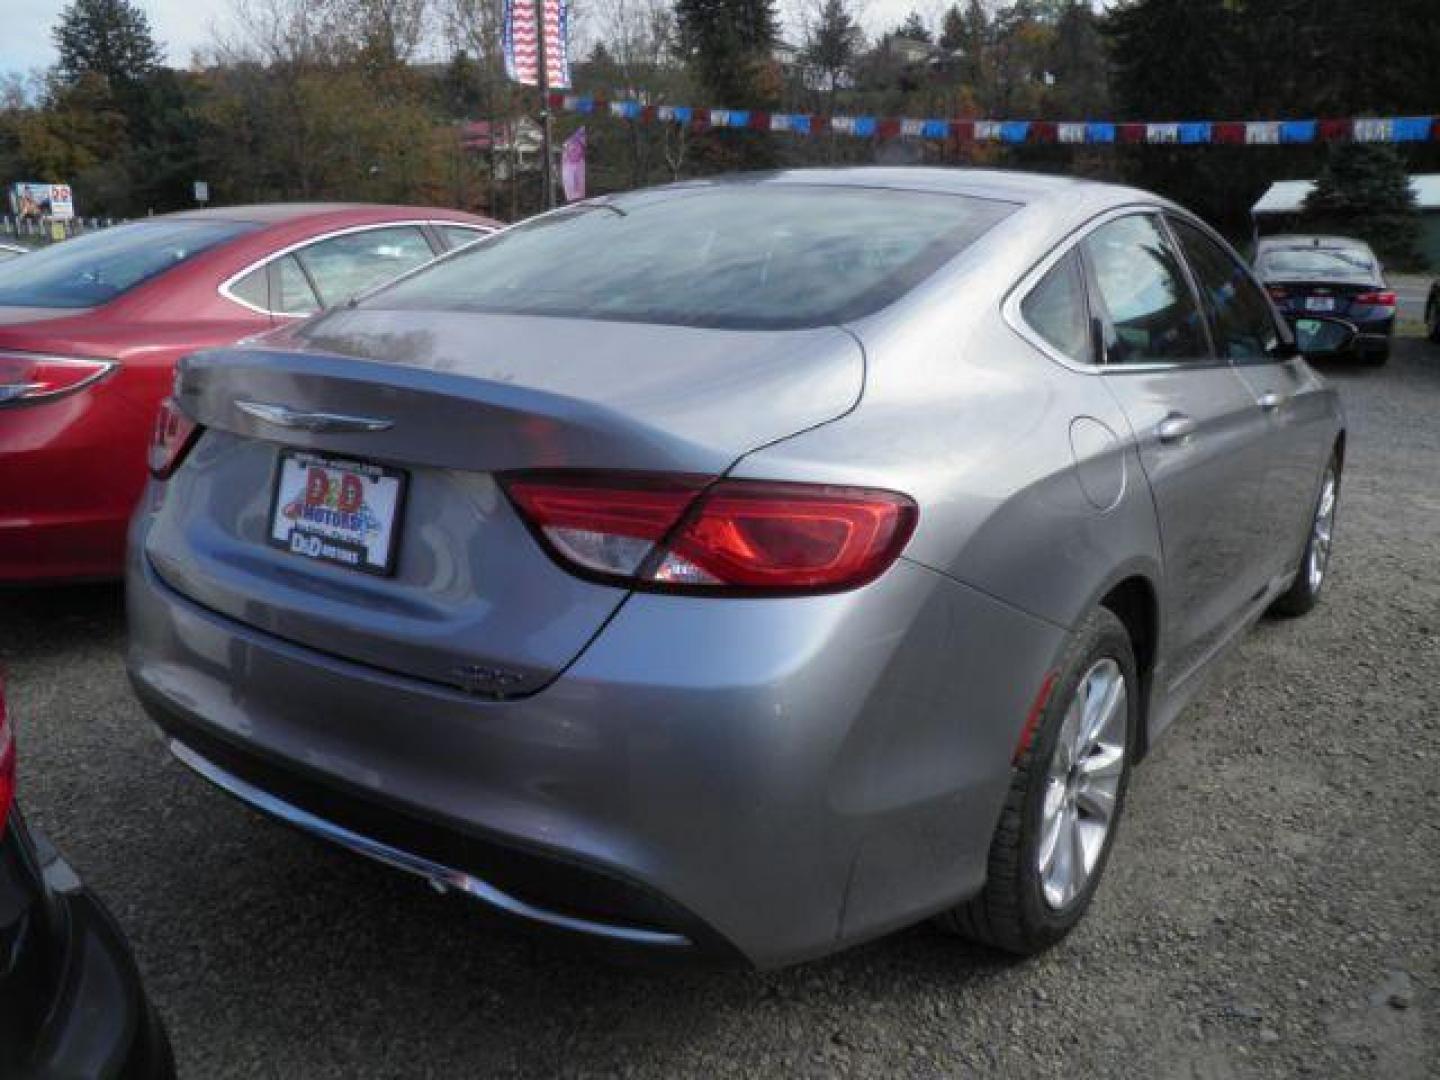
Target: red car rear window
96, 268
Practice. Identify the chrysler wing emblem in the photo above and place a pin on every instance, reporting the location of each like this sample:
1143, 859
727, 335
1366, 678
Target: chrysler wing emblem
284, 416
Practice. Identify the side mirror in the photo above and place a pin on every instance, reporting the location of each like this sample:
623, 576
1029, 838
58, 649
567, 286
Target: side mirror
1319, 335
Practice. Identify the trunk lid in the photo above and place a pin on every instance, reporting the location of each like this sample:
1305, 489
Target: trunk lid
449, 400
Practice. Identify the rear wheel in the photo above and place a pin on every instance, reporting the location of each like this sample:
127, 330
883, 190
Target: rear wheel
1066, 794
1304, 591
1432, 318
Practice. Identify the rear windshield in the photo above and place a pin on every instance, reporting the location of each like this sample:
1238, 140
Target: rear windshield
96, 268
753, 256
1321, 262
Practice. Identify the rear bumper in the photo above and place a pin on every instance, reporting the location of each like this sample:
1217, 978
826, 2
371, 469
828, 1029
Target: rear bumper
98, 1020
758, 780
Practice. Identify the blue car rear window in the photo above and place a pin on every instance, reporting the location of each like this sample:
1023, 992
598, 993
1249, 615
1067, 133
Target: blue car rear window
733, 256
96, 268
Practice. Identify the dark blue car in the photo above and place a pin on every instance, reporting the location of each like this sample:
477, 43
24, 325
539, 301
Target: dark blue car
1332, 276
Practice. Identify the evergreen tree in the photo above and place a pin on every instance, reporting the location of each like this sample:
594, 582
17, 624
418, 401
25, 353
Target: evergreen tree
915, 29
1078, 63
831, 45
1174, 59
726, 43
952, 29
1364, 190
108, 38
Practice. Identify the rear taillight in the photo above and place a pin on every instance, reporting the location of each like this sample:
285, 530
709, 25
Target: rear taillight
733, 537
171, 440
1277, 292
26, 378
7, 760
1375, 299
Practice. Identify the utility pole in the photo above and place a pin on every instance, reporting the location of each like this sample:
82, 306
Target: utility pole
547, 180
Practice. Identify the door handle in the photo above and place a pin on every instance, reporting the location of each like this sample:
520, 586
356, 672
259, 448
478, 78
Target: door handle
1177, 427
1270, 400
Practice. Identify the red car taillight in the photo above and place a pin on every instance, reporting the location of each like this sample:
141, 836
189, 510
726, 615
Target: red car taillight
171, 440
1375, 299
734, 537
1276, 292
27, 378
7, 760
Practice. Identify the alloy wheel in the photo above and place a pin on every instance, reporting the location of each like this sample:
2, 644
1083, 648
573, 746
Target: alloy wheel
1322, 532
1082, 783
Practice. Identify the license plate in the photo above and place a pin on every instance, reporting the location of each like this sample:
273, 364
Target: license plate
337, 511
1319, 303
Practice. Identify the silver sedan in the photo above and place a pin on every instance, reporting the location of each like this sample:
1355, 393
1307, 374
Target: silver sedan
745, 568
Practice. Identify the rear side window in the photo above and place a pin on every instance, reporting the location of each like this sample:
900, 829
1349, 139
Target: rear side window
345, 266
95, 269
1239, 314
745, 256
1141, 286
457, 236
254, 288
1055, 309
296, 296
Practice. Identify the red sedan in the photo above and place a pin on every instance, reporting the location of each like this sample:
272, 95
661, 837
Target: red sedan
90, 331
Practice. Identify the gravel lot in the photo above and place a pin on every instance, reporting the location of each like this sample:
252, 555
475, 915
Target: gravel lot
1272, 907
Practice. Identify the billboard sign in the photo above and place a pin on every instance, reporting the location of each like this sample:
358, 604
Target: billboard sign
37, 201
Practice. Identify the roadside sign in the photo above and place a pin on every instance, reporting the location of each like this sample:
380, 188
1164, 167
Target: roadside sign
202, 191
36, 201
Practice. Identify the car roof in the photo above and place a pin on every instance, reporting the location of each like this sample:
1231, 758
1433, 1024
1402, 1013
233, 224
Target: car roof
282, 213
1008, 185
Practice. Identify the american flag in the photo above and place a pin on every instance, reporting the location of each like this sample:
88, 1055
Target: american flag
522, 55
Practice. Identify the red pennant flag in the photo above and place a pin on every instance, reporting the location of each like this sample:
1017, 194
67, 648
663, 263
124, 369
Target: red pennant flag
1335, 130
1228, 132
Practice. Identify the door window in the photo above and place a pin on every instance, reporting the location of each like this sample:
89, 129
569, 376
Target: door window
296, 295
1141, 286
347, 265
1239, 314
1055, 309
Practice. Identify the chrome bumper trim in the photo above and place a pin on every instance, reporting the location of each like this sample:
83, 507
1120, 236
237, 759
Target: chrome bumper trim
441, 877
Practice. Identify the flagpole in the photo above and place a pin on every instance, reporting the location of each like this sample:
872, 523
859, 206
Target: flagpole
547, 180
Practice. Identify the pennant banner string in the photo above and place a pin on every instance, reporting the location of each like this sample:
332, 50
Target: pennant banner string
1397, 129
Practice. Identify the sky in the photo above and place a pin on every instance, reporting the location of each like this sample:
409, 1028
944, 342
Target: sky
184, 25
179, 25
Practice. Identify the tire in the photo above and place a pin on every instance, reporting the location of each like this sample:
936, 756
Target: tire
1304, 591
1432, 318
1378, 357
1017, 910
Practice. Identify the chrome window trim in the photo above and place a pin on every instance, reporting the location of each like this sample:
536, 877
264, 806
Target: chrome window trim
224, 289
1015, 319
